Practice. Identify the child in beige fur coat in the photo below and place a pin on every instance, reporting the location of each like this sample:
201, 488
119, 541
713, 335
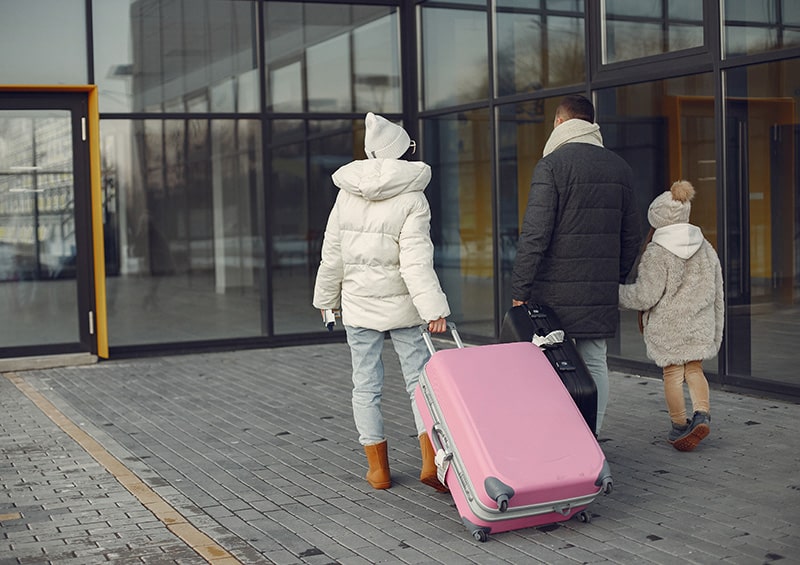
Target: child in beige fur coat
679, 289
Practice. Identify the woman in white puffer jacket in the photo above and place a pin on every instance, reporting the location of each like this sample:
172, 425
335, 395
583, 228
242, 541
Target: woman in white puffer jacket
377, 266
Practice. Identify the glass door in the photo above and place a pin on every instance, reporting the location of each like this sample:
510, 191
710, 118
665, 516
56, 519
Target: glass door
46, 302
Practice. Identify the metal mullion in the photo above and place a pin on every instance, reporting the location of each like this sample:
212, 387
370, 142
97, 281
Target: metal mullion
713, 29
266, 287
494, 170
409, 63
594, 35
89, 42
773, 56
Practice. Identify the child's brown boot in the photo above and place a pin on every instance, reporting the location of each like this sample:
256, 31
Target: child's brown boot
428, 474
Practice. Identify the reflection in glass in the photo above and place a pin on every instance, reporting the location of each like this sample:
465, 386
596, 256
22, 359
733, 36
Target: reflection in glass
38, 289
458, 149
522, 131
791, 13
43, 42
635, 28
187, 222
454, 57
751, 27
763, 243
518, 33
565, 45
290, 265
665, 131
684, 36
303, 195
481, 3
286, 88
160, 55
351, 56
326, 62
376, 69
537, 49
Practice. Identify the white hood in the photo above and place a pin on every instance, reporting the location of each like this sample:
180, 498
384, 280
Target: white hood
682, 240
380, 179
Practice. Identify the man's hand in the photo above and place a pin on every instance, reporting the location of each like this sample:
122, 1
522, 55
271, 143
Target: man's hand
517, 302
437, 326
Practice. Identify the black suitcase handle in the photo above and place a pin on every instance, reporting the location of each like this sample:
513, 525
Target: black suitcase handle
535, 311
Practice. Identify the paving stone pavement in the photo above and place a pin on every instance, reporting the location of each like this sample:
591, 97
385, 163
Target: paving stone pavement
256, 450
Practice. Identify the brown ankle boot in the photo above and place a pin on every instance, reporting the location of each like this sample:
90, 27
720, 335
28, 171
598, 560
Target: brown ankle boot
428, 473
378, 475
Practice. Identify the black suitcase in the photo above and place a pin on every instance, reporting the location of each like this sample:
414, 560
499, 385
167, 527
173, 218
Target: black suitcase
521, 323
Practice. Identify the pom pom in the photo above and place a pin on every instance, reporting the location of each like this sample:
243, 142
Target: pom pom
682, 191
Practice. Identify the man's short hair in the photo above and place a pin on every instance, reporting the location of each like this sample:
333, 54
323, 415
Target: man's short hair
576, 106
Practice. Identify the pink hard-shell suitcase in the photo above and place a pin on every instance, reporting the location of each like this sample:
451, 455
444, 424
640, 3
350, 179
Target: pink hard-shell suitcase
510, 442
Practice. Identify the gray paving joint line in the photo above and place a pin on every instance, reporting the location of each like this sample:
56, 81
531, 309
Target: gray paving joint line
165, 512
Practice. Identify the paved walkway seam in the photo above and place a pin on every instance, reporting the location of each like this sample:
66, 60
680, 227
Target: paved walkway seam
163, 510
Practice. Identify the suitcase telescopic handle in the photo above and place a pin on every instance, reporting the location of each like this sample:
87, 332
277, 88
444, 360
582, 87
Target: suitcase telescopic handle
426, 335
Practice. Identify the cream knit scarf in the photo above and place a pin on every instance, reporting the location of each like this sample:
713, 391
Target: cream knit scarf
573, 131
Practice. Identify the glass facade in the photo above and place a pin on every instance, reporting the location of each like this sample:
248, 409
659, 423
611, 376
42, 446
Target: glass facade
221, 122
762, 143
303, 156
332, 57
522, 131
538, 46
184, 221
454, 64
43, 42
37, 228
175, 56
457, 147
665, 130
751, 27
642, 28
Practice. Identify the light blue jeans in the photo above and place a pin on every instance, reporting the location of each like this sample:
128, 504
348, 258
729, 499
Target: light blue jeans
594, 353
366, 347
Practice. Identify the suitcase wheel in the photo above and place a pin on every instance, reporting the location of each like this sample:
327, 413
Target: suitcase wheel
584, 516
480, 535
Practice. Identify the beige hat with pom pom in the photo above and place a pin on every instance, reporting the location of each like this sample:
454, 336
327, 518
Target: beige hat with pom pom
672, 206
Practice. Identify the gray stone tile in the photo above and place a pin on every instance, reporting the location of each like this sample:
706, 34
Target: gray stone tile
258, 449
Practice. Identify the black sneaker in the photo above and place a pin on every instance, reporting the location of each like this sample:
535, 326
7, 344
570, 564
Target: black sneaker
678, 432
698, 430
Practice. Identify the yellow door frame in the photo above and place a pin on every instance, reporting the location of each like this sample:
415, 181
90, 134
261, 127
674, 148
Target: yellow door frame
98, 249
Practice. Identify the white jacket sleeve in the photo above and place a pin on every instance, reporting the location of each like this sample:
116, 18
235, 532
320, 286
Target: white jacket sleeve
416, 264
328, 285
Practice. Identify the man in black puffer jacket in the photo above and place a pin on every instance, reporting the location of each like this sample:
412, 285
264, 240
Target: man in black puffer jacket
580, 236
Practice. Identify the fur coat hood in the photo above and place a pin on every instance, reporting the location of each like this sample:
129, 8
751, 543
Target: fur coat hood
679, 289
377, 255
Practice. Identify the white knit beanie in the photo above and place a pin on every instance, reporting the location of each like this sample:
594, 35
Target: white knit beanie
383, 139
672, 206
